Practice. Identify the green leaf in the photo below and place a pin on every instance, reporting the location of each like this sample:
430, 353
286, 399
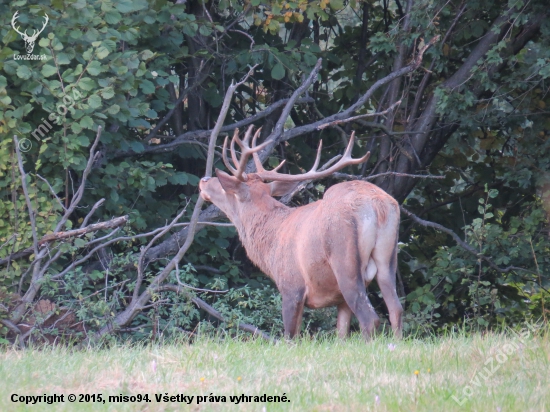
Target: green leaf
278, 71
146, 54
94, 101
336, 4
147, 86
114, 109
86, 122
76, 128
102, 52
24, 72
48, 70
112, 17
213, 97
95, 68
86, 83
205, 30
107, 92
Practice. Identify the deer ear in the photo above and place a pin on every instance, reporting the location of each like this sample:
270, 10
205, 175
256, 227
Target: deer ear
282, 188
229, 183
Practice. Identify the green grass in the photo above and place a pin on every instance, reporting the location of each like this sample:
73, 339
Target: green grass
316, 375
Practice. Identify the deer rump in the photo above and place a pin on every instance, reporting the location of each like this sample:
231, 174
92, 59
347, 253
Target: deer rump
332, 244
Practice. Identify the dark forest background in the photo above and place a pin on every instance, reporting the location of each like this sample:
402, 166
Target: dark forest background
463, 144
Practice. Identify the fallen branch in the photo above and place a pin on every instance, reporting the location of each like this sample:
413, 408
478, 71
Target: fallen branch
110, 224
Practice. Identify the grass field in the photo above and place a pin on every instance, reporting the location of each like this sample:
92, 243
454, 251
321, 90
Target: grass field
493, 372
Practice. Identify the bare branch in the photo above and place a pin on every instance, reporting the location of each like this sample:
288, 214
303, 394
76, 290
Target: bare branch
356, 177
27, 197
413, 65
361, 116
80, 192
191, 136
146, 248
110, 224
90, 214
53, 192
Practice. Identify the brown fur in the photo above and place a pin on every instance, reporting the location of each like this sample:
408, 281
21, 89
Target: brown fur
321, 254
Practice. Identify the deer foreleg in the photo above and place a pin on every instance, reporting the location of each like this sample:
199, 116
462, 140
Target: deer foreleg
293, 309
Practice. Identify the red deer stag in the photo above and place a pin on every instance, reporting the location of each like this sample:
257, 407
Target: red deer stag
321, 254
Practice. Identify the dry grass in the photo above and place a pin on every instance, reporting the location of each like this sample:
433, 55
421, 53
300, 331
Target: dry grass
316, 375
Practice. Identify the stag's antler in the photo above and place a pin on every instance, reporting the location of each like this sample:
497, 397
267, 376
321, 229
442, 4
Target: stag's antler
246, 151
345, 160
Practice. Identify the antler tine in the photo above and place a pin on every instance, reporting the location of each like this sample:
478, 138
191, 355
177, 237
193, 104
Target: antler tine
350, 160
344, 161
255, 149
225, 159
232, 148
257, 161
246, 151
318, 157
247, 137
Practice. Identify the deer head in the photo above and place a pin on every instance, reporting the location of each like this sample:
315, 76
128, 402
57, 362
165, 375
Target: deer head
29, 40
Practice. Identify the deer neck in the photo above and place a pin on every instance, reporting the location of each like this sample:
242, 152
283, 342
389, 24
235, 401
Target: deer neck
258, 228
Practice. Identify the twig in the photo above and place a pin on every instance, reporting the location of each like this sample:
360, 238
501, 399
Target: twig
191, 136
252, 42
361, 116
278, 129
413, 65
356, 177
53, 192
90, 214
80, 191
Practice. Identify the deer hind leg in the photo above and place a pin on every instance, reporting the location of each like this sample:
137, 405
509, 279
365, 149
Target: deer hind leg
293, 309
352, 286
344, 320
386, 263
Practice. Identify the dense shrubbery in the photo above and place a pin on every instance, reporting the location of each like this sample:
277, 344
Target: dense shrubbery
123, 65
